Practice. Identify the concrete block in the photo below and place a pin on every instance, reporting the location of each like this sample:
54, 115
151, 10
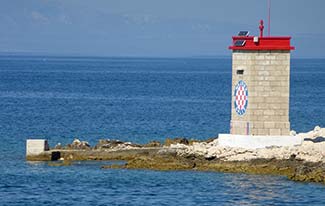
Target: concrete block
36, 146
259, 89
264, 73
285, 131
285, 84
282, 57
259, 78
285, 62
258, 112
282, 78
287, 125
280, 112
277, 73
260, 57
279, 68
255, 142
275, 94
271, 78
284, 106
269, 125
274, 106
258, 125
269, 57
263, 131
280, 125
268, 112
275, 131
261, 105
284, 94
265, 62
276, 62
266, 84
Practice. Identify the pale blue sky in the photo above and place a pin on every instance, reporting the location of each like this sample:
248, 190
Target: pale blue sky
153, 28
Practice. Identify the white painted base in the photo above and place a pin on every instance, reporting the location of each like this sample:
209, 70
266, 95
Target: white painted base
255, 142
36, 146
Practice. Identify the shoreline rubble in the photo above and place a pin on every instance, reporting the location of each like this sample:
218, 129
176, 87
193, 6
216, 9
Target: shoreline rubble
305, 162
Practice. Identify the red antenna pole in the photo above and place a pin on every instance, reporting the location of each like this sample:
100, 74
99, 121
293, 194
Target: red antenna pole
261, 28
269, 18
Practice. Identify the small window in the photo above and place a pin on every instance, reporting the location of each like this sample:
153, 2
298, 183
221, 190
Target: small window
240, 71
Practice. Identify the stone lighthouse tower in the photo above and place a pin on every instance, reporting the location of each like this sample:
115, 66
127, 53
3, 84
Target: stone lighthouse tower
260, 91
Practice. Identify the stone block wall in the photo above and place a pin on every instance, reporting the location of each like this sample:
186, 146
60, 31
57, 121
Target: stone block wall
267, 76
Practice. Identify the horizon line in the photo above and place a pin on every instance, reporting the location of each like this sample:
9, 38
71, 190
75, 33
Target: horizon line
74, 55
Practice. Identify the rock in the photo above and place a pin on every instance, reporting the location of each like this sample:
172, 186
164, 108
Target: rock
160, 162
317, 129
317, 132
293, 133
200, 148
77, 144
178, 140
107, 144
210, 140
192, 141
153, 144
61, 163
309, 172
178, 146
127, 145
168, 151
58, 146
310, 151
114, 144
322, 132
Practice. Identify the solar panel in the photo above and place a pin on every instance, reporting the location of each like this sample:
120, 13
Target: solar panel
239, 42
243, 33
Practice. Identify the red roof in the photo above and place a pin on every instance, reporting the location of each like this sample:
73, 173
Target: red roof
263, 43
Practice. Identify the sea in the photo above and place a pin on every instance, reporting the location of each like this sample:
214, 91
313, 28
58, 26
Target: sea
137, 100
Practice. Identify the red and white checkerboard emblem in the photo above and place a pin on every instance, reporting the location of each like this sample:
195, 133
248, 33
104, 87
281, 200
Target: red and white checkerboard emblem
241, 97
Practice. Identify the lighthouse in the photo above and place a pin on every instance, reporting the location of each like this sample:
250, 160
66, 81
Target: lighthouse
260, 92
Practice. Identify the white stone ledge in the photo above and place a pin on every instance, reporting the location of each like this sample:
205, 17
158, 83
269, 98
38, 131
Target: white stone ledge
255, 142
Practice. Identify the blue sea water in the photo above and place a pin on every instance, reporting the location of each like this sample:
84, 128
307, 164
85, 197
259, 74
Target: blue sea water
138, 100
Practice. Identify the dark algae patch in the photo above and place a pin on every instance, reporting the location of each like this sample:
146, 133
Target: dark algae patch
293, 169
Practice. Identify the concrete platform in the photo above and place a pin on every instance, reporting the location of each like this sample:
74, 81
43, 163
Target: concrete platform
36, 146
255, 142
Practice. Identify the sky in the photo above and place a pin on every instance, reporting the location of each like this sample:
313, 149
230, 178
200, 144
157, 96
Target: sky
154, 28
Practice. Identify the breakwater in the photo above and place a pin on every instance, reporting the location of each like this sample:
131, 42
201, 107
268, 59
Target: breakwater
305, 162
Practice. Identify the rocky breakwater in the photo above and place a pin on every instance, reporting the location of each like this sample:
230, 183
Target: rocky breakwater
311, 150
305, 162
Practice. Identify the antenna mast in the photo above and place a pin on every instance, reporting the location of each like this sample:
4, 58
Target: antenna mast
269, 18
